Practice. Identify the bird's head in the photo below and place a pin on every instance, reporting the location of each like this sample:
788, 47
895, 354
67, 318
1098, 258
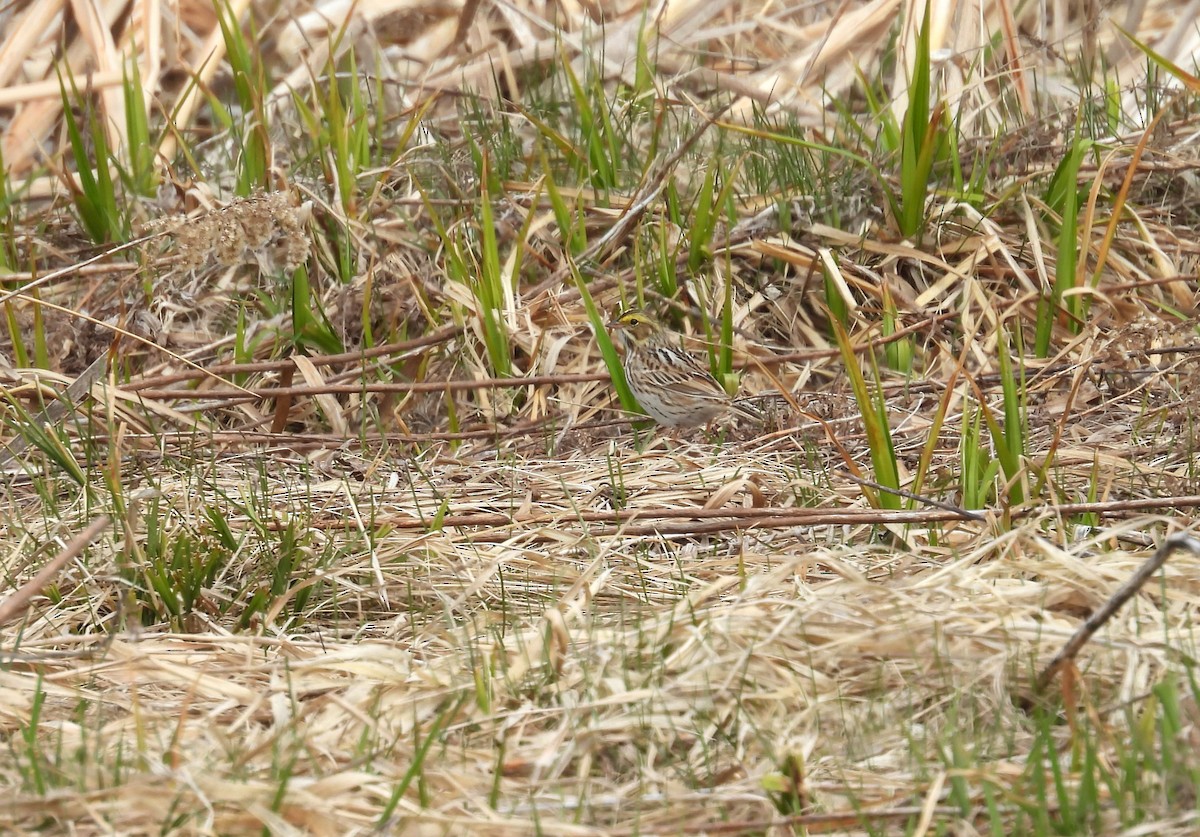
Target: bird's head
635, 328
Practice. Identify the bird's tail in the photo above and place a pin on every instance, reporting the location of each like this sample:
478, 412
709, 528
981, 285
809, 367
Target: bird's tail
744, 408
760, 407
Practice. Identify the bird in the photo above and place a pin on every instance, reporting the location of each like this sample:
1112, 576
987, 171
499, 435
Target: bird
672, 387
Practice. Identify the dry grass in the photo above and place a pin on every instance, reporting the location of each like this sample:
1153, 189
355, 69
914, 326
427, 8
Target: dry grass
381, 590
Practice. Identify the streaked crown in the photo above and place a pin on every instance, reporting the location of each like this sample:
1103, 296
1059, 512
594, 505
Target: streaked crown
636, 327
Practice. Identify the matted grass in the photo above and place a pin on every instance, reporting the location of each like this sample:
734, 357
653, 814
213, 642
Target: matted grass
383, 554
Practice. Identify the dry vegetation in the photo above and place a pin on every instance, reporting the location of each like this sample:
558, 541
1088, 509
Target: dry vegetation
385, 554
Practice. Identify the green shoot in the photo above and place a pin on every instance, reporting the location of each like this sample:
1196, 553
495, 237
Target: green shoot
94, 195
250, 85
873, 407
1062, 197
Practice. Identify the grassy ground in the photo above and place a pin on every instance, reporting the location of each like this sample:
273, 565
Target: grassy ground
327, 511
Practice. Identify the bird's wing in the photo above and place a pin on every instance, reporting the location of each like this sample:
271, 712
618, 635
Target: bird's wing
678, 369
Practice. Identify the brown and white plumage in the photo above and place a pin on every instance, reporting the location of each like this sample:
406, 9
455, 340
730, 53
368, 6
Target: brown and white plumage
672, 386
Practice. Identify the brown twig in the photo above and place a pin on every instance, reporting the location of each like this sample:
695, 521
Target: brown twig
632, 522
15, 604
717, 520
1110, 508
1126, 591
72, 269
823, 822
153, 388
433, 338
233, 395
297, 441
965, 514
54, 413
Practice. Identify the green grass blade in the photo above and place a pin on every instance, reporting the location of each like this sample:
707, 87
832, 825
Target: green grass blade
873, 407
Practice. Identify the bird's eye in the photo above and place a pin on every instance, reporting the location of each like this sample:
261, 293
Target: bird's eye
634, 321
